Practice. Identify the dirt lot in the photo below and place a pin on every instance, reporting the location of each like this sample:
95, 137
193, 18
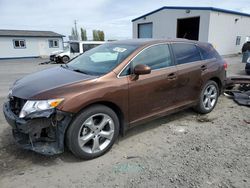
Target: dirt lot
181, 150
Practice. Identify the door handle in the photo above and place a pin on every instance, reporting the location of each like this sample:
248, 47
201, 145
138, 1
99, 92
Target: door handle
172, 76
203, 67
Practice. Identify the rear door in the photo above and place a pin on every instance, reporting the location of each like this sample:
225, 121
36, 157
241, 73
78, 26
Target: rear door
190, 67
154, 92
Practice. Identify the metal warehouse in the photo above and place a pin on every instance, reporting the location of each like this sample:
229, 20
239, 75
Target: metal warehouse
23, 43
226, 30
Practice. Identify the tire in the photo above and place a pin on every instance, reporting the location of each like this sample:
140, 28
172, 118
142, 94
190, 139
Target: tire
93, 132
65, 59
208, 98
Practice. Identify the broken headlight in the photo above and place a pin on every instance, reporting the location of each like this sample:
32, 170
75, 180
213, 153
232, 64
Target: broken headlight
38, 105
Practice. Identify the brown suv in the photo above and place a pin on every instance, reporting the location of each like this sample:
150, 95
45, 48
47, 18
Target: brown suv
86, 103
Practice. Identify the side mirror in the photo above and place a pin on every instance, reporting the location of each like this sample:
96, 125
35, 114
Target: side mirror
142, 69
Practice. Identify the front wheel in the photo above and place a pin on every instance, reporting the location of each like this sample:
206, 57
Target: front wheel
208, 97
93, 132
65, 59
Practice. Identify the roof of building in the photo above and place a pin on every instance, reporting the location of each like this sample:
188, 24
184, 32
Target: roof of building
28, 33
194, 8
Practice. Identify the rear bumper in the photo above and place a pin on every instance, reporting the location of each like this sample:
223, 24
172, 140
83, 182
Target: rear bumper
43, 135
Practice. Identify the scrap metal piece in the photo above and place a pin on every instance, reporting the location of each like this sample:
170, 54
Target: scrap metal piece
231, 81
241, 94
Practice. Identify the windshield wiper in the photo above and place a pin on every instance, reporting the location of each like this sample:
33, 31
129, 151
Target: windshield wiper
80, 71
71, 68
65, 66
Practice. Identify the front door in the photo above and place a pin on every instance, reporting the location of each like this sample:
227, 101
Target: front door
154, 92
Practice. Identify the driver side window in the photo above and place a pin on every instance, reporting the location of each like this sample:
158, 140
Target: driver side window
156, 57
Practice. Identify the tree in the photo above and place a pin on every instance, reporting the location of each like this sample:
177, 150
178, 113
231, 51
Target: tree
101, 35
95, 35
98, 35
84, 34
74, 34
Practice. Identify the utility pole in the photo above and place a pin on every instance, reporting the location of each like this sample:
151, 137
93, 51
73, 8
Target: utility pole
76, 29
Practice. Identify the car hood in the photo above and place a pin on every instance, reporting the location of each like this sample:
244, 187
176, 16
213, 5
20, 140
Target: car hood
45, 80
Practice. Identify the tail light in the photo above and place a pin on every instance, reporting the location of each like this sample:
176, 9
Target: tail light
225, 65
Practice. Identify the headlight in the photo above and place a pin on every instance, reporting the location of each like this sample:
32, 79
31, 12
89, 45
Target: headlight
39, 105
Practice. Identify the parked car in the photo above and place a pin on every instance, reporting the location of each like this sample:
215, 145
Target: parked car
102, 93
73, 49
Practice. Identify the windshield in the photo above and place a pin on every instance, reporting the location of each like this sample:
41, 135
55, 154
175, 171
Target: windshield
102, 59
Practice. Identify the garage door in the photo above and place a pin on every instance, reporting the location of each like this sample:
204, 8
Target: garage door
145, 30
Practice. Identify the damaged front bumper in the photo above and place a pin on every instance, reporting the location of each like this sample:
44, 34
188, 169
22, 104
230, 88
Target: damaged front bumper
55, 58
42, 132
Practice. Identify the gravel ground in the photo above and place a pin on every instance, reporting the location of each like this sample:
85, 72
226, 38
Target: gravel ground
180, 150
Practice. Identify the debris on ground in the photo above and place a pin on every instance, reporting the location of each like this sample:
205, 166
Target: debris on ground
246, 121
48, 62
203, 119
238, 89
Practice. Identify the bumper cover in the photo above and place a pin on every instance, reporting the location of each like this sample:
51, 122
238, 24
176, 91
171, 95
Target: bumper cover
40, 132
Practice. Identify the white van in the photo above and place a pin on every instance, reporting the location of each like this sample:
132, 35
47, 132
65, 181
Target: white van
73, 49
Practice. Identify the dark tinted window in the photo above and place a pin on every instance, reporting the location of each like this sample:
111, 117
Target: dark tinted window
22, 43
186, 53
87, 47
19, 43
155, 57
53, 44
208, 52
74, 47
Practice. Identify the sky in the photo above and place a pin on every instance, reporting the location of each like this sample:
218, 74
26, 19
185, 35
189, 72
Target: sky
112, 16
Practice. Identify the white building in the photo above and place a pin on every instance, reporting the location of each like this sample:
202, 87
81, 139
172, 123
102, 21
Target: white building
226, 30
22, 43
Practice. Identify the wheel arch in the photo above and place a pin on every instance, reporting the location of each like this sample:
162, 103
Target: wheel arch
65, 56
218, 81
115, 108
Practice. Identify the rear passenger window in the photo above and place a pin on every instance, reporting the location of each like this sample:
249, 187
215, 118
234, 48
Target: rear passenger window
156, 57
186, 53
208, 52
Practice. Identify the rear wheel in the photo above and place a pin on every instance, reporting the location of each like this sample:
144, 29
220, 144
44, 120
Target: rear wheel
65, 59
93, 132
208, 97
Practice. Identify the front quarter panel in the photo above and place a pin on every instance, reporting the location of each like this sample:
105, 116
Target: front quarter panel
105, 89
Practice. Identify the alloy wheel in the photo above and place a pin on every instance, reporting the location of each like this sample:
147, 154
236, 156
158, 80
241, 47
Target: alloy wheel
210, 97
96, 133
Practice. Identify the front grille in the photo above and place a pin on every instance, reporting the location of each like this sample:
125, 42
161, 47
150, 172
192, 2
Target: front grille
16, 104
